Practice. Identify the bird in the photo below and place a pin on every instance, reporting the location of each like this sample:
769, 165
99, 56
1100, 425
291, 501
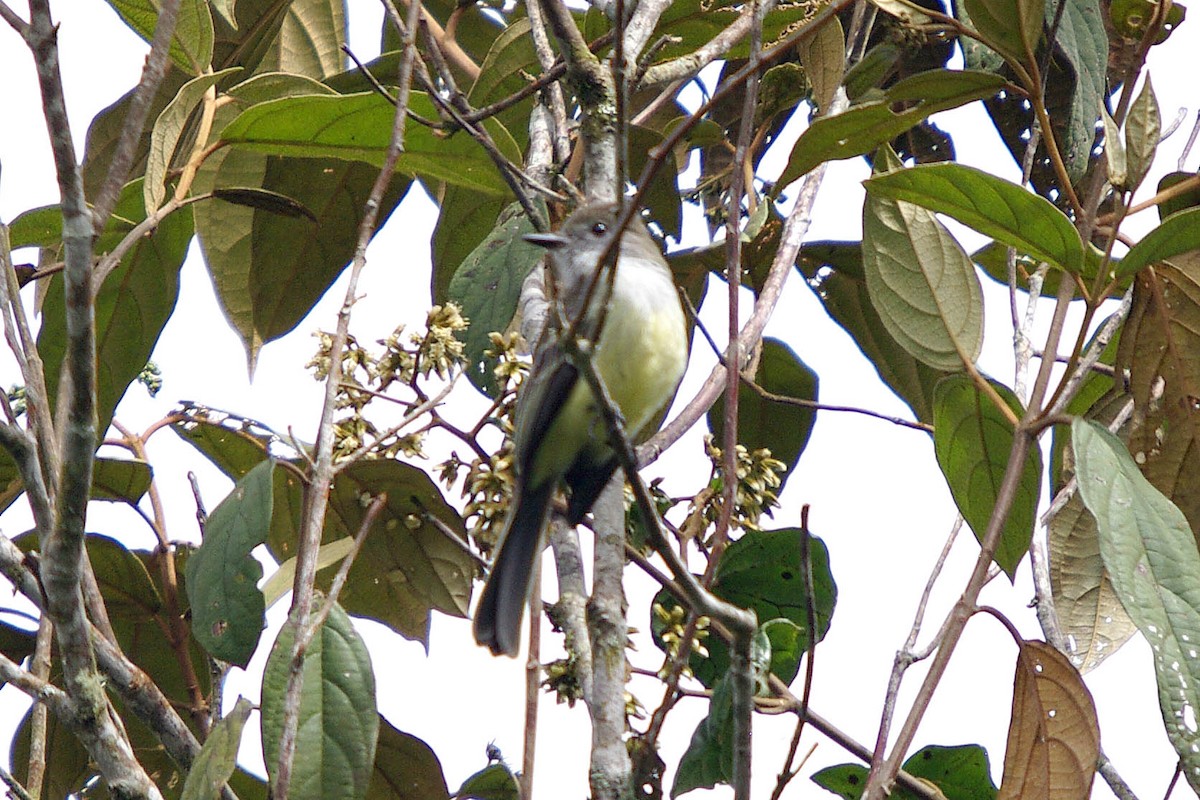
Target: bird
636, 325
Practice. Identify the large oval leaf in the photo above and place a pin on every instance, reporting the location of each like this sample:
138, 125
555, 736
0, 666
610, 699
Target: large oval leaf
1151, 557
835, 274
408, 565
973, 439
864, 127
132, 306
358, 127
993, 206
922, 284
222, 576
338, 725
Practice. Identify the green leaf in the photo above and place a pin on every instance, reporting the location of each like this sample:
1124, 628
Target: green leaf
310, 39
1189, 199
16, 644
281, 581
1013, 26
787, 647
1082, 45
824, 59
487, 286
972, 440
122, 479
228, 612
961, 773
406, 768
783, 428
192, 43
218, 757
921, 283
338, 725
866, 126
166, 132
834, 272
709, 756
993, 206
763, 571
125, 584
408, 565
493, 782
993, 258
270, 270
1177, 234
1151, 557
233, 451
132, 306
465, 219
265, 200
37, 227
1114, 152
1143, 126
358, 127
510, 63
1075, 86
1130, 18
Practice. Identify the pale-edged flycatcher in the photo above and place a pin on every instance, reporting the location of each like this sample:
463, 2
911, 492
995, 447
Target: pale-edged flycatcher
636, 324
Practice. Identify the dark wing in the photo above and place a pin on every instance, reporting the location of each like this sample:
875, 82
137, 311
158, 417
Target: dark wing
541, 398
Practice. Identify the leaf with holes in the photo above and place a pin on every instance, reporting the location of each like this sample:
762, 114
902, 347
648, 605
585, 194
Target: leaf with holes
1054, 736
222, 575
1151, 556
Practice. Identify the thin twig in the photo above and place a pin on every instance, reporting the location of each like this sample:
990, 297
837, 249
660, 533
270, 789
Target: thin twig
323, 473
906, 656
136, 115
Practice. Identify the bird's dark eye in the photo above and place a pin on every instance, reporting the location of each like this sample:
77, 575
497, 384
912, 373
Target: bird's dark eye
600, 228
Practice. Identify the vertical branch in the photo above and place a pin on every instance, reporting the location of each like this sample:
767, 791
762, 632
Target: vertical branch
594, 86
740, 669
324, 468
135, 117
611, 771
63, 562
38, 722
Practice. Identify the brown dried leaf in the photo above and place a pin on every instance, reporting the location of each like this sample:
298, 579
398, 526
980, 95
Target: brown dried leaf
1054, 737
1161, 340
1091, 616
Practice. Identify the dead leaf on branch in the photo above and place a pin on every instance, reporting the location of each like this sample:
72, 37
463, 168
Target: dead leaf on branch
1054, 737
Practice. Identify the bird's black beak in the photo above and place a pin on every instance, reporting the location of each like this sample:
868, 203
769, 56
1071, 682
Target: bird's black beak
550, 241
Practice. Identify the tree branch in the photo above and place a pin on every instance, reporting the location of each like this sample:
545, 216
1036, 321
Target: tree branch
135, 117
324, 468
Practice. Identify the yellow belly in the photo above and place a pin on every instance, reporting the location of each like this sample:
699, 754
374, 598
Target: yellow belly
641, 357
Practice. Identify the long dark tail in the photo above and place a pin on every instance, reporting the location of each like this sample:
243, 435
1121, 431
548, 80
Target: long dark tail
502, 605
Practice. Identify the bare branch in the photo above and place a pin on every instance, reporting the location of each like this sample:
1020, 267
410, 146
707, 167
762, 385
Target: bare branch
324, 468
135, 117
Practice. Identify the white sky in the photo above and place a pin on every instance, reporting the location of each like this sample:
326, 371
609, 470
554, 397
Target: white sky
878, 500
